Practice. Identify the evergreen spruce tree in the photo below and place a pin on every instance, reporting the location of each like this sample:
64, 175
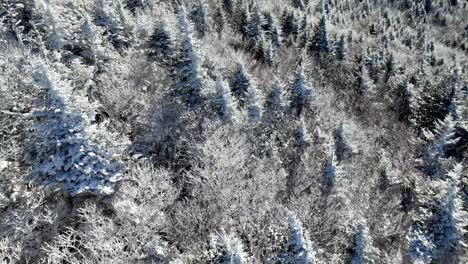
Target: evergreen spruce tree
341, 51
227, 249
187, 82
88, 41
363, 250
343, 149
446, 224
254, 109
298, 4
434, 152
219, 21
404, 101
428, 6
298, 249
289, 27
458, 106
62, 153
254, 30
329, 173
160, 44
302, 136
223, 104
366, 85
199, 18
241, 19
390, 67
320, 40
274, 105
300, 94
271, 31
240, 84
133, 5
228, 6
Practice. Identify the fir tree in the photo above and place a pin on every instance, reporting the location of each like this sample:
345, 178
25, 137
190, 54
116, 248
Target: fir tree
329, 173
363, 250
302, 136
298, 249
300, 94
446, 223
222, 104
241, 20
254, 31
289, 27
428, 6
219, 21
366, 85
253, 107
404, 101
199, 18
228, 6
274, 105
88, 40
160, 43
298, 4
341, 50
63, 154
188, 84
390, 67
342, 147
434, 152
320, 41
227, 249
133, 5
240, 84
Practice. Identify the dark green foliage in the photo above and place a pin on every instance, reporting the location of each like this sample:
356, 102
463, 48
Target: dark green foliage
160, 43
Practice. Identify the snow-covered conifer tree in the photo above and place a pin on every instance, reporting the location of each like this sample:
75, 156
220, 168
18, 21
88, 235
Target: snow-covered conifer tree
434, 152
341, 50
219, 21
366, 85
199, 17
298, 249
186, 68
320, 41
329, 173
300, 94
274, 104
240, 84
446, 224
227, 249
363, 250
254, 30
342, 147
63, 154
160, 43
289, 27
390, 67
254, 109
223, 104
228, 6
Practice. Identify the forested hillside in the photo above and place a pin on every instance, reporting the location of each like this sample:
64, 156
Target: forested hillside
233, 131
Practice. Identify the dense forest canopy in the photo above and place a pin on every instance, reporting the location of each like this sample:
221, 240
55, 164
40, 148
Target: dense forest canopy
233, 131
